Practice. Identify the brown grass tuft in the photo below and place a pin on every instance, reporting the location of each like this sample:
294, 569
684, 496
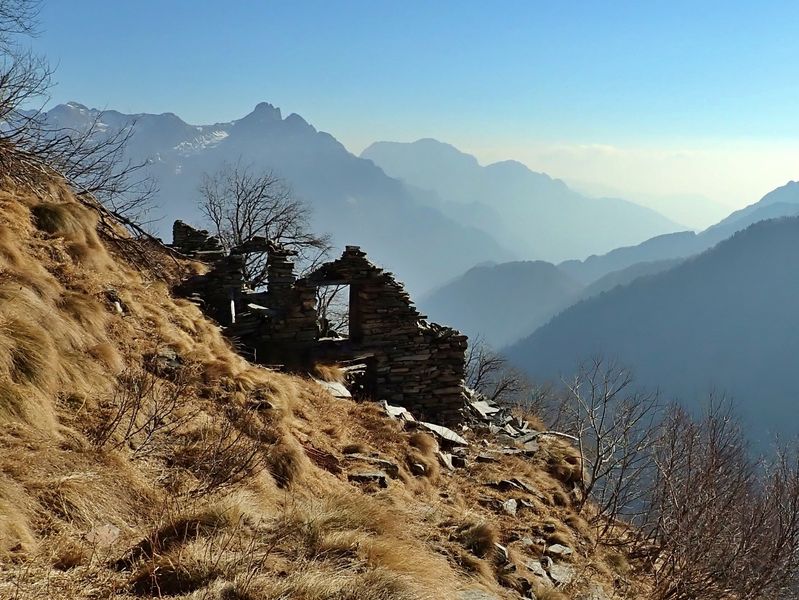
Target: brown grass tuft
618, 562
551, 595
331, 373
424, 442
286, 462
480, 539
172, 575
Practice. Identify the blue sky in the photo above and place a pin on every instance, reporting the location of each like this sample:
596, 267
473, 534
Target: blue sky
555, 84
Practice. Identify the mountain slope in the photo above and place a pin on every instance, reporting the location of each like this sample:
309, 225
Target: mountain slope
501, 303
541, 216
141, 457
351, 198
627, 276
783, 201
725, 319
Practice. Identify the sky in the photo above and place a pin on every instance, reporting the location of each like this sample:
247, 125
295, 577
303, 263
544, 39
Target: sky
656, 99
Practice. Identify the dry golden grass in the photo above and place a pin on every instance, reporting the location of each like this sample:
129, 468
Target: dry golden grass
214, 495
424, 442
331, 373
480, 539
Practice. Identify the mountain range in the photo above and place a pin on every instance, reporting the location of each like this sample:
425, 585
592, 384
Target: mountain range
539, 216
725, 320
783, 201
501, 303
505, 302
427, 234
351, 198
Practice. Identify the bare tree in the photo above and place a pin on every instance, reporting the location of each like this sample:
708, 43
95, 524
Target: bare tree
720, 523
90, 159
333, 310
489, 373
241, 204
683, 494
615, 426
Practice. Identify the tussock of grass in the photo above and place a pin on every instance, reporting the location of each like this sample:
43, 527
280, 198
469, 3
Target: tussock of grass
331, 373
172, 575
480, 539
424, 442
551, 595
179, 530
286, 462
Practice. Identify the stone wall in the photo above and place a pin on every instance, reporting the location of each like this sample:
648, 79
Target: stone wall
410, 362
413, 363
196, 243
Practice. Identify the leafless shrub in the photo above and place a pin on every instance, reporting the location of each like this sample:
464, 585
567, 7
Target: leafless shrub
615, 426
242, 204
90, 159
489, 373
719, 524
142, 408
222, 454
683, 494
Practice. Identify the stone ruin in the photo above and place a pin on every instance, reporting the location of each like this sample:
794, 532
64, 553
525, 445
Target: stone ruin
402, 358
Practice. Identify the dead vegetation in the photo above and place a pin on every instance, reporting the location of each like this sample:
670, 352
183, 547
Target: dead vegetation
141, 457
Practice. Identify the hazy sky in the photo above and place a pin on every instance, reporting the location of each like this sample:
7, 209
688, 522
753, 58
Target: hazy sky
642, 97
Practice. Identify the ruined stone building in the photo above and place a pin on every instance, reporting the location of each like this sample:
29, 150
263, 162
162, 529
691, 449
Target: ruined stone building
408, 361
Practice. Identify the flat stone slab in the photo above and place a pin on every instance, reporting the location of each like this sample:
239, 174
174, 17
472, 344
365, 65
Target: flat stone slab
336, 389
398, 412
445, 433
483, 408
559, 551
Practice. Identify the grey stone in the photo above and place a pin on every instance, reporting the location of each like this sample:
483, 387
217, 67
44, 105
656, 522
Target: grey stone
418, 469
487, 457
446, 460
386, 465
445, 433
537, 569
559, 551
561, 574
336, 389
503, 552
509, 506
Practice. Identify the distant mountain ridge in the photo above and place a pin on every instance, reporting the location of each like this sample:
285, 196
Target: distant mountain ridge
540, 216
501, 303
725, 319
351, 198
479, 307
781, 202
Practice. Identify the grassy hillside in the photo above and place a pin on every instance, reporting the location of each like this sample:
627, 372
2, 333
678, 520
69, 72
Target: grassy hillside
141, 457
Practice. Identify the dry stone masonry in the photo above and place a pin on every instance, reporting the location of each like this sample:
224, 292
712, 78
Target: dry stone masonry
409, 361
